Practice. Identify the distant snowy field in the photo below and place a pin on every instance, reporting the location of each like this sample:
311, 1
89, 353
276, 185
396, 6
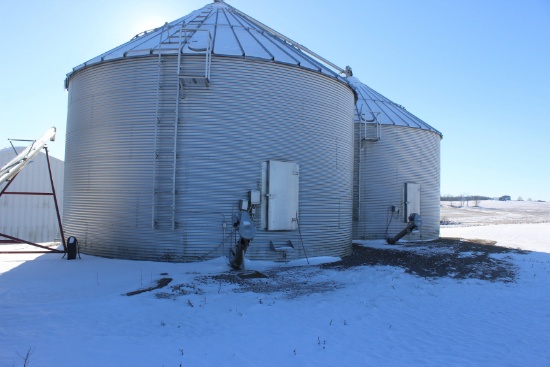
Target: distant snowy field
514, 224
76, 313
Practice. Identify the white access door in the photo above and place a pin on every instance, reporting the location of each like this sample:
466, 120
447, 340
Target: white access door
412, 199
282, 195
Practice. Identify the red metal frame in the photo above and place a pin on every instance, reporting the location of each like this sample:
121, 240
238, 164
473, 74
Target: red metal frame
45, 250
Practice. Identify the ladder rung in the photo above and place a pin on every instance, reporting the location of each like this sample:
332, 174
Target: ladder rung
184, 35
163, 191
169, 51
166, 126
175, 39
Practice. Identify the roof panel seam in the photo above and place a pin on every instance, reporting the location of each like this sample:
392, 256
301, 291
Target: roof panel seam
234, 34
256, 39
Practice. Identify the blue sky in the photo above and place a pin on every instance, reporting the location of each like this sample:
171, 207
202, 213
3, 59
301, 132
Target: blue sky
478, 71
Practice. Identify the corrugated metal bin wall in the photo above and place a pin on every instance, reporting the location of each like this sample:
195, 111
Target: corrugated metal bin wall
402, 155
252, 112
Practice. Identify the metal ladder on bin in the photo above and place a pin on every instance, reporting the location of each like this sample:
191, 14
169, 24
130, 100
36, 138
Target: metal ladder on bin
167, 118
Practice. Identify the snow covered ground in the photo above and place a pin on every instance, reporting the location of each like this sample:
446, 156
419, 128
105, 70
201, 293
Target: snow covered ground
496, 212
515, 224
77, 313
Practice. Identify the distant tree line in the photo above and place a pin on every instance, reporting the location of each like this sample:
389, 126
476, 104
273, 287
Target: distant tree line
465, 199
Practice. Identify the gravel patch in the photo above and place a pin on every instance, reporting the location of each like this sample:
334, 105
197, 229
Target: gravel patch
447, 257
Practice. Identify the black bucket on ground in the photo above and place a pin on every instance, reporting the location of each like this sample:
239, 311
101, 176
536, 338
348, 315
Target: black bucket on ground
72, 248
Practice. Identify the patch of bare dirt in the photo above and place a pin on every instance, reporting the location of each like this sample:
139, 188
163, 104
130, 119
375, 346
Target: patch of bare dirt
161, 283
179, 290
447, 257
453, 258
293, 282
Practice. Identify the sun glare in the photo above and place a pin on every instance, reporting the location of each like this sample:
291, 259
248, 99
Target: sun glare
146, 24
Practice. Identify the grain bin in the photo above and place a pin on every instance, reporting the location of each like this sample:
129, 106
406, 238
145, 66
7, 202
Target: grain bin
169, 134
396, 168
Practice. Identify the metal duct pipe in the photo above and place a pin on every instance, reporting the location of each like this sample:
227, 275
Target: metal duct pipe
415, 221
244, 225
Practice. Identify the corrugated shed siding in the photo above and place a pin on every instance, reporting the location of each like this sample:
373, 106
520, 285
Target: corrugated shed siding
401, 155
252, 112
29, 217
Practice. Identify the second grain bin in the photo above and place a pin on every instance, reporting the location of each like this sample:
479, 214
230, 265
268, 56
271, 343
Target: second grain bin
396, 169
173, 132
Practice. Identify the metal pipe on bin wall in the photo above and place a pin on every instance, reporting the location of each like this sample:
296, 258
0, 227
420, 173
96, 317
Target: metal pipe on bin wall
360, 143
360, 146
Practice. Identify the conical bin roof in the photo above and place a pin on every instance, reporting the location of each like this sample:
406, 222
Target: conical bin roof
371, 102
233, 34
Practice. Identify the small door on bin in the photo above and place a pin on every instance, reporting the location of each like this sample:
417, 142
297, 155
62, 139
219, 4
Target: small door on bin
282, 195
412, 199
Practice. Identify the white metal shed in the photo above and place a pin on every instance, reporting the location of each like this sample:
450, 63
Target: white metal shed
32, 217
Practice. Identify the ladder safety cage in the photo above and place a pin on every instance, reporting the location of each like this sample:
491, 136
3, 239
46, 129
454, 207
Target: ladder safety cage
374, 122
197, 42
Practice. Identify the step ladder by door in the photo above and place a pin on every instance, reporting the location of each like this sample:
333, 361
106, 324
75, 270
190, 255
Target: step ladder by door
172, 80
